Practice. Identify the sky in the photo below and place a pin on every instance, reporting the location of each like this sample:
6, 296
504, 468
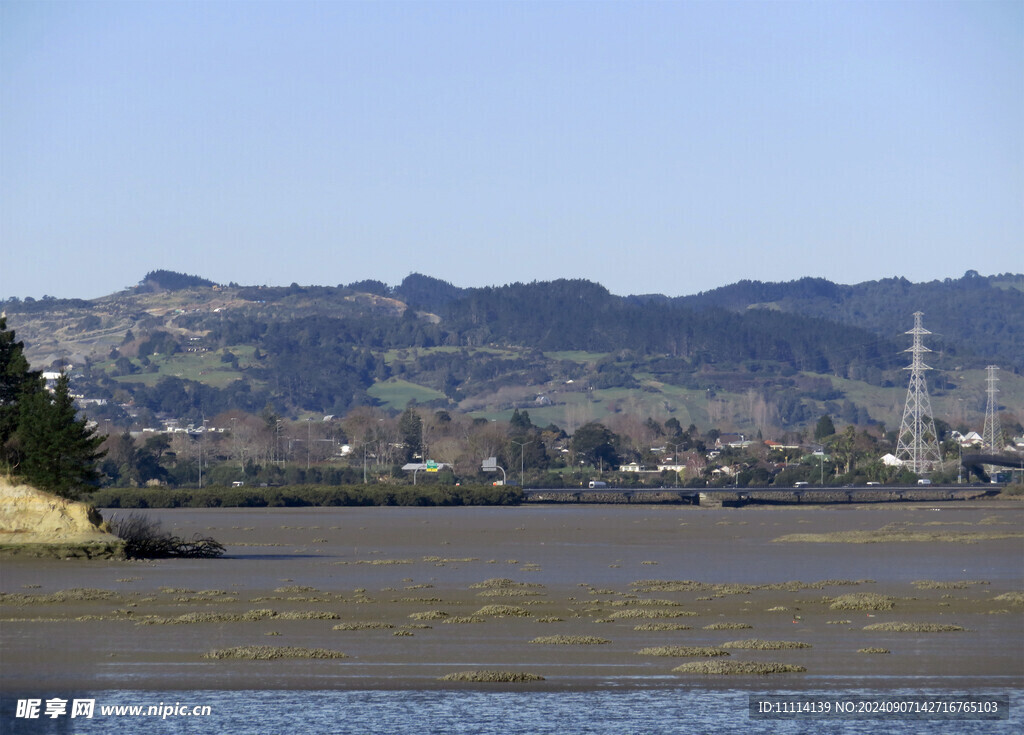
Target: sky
653, 147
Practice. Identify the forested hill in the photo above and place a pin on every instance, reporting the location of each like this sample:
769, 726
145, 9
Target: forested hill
974, 316
580, 315
183, 346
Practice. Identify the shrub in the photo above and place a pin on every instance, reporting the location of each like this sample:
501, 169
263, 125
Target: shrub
303, 495
680, 651
505, 677
570, 640
895, 627
270, 653
861, 601
741, 668
760, 645
503, 611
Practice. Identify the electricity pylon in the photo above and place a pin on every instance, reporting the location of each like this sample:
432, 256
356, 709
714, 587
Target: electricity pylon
918, 442
993, 435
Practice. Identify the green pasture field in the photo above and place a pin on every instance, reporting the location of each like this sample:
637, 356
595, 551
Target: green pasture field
396, 394
408, 354
202, 367
580, 356
884, 404
963, 404
573, 409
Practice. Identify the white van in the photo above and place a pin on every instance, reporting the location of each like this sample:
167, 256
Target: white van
598, 483
924, 481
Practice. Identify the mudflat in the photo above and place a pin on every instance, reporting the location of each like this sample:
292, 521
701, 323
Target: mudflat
539, 597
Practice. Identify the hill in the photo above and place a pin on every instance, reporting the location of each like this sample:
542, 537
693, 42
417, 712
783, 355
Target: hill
748, 357
974, 317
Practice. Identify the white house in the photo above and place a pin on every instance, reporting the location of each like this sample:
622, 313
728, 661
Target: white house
889, 460
970, 439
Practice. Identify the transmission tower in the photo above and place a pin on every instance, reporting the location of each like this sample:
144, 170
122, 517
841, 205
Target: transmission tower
993, 435
918, 443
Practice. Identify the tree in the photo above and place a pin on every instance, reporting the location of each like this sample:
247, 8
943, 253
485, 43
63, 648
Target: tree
824, 427
844, 449
118, 464
595, 444
59, 451
16, 382
520, 423
410, 427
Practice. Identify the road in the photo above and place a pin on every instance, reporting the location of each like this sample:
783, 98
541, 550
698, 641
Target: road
732, 495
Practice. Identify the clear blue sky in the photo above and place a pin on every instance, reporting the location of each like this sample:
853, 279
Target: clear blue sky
666, 147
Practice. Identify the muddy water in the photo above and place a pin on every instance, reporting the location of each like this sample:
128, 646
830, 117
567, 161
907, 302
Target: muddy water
600, 545
387, 564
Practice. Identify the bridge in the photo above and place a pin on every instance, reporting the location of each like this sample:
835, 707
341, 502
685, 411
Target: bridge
732, 497
975, 463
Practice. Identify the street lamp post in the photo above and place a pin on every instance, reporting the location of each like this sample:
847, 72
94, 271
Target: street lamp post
522, 450
363, 444
491, 465
675, 462
960, 467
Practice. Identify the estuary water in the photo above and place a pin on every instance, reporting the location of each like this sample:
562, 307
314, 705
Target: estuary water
393, 564
595, 712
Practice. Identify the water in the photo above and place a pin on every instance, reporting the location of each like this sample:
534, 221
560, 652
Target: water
601, 546
457, 712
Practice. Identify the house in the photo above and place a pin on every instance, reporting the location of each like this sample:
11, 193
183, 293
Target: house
671, 467
971, 439
51, 378
780, 446
734, 441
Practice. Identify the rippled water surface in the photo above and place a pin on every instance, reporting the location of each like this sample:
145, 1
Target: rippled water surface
597, 712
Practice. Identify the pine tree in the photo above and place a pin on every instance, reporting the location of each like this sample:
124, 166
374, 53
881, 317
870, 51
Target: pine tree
824, 427
58, 450
16, 382
410, 427
520, 422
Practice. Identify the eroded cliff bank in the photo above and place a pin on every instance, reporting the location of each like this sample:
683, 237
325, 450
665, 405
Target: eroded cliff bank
37, 523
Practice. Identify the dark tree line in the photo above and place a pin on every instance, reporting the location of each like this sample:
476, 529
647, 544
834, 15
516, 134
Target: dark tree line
172, 281
973, 317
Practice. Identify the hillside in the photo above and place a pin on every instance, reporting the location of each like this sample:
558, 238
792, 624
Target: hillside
747, 357
972, 318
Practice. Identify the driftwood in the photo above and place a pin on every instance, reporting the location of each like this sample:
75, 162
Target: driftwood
145, 539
